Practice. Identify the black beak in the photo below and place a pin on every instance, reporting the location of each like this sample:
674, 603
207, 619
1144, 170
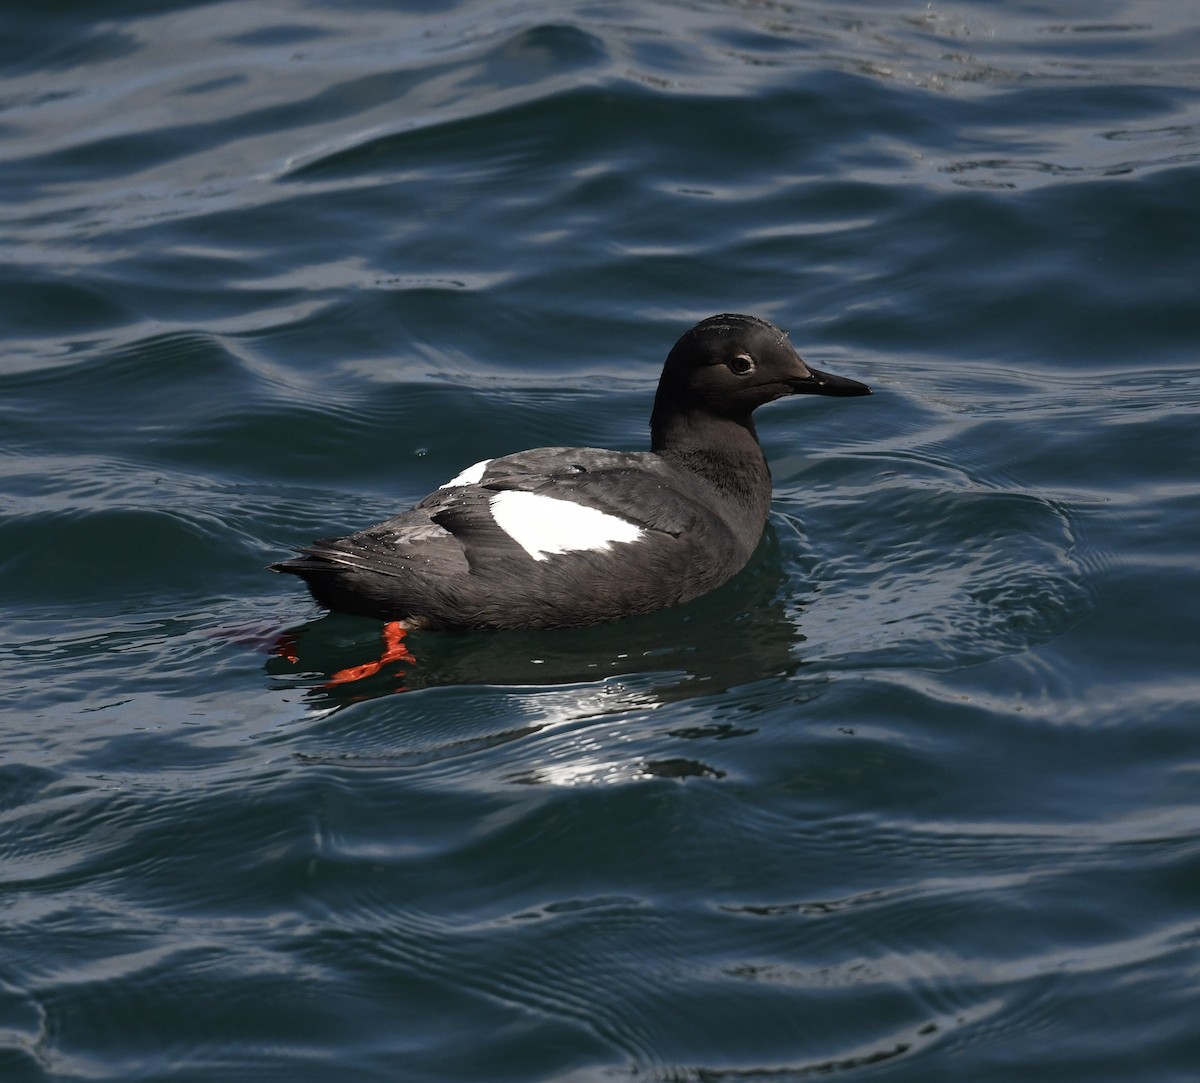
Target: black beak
825, 383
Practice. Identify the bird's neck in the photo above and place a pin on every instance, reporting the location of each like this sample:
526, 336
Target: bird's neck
723, 452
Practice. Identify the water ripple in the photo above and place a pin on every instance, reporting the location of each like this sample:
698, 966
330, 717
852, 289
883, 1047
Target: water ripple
914, 796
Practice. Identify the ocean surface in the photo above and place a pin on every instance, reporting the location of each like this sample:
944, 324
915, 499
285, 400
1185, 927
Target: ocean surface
914, 798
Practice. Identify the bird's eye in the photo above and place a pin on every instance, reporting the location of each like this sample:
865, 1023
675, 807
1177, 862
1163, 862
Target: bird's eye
741, 364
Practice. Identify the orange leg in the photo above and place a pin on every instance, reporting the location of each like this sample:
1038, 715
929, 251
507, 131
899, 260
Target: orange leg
394, 650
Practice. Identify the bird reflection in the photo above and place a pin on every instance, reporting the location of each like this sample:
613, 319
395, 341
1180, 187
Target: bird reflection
739, 633
578, 706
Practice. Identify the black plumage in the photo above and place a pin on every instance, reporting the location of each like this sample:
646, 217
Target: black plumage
693, 508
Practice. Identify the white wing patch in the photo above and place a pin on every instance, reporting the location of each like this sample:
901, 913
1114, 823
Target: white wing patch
543, 525
470, 476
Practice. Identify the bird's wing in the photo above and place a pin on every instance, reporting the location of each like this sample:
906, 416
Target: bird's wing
635, 487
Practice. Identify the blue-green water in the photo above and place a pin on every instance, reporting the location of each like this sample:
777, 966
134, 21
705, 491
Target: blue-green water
916, 797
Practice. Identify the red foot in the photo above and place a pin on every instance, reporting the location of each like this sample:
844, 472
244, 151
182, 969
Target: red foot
285, 647
394, 650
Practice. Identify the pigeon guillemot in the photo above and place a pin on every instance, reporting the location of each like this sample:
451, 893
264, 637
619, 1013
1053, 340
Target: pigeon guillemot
563, 537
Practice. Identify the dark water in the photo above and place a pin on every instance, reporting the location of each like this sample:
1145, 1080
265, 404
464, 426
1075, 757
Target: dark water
914, 798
